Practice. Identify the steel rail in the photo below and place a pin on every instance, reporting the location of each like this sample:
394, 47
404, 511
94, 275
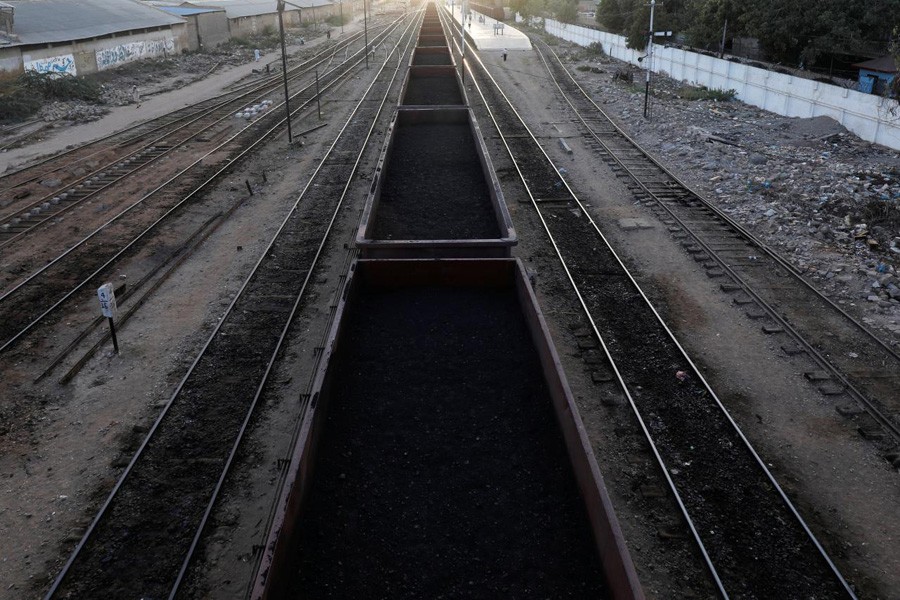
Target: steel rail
272, 80
351, 253
165, 411
340, 202
725, 217
871, 407
618, 375
301, 294
226, 106
5, 345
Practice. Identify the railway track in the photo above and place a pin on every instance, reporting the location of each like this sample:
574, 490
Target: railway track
142, 541
753, 540
763, 284
133, 140
118, 159
42, 292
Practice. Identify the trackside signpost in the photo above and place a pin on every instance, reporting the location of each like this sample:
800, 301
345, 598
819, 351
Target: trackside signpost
109, 309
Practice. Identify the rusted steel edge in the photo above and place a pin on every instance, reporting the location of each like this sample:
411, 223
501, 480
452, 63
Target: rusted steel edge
619, 571
618, 567
459, 248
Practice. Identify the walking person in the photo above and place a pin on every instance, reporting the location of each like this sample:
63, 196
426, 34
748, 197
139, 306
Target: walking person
505, 52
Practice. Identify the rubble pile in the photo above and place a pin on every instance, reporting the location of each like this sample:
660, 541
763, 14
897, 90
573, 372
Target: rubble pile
824, 199
72, 111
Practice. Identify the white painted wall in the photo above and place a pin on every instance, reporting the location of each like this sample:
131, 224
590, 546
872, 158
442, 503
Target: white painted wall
866, 115
121, 53
54, 64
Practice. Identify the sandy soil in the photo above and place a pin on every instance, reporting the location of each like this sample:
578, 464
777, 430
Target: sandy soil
818, 456
67, 444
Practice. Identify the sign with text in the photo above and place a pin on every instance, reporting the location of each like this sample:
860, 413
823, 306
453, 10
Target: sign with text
107, 300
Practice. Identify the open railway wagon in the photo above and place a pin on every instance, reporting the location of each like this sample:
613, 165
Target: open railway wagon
432, 41
432, 85
442, 453
434, 192
432, 56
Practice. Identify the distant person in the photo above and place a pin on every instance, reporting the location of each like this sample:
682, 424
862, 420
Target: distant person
256, 55
505, 52
136, 96
328, 34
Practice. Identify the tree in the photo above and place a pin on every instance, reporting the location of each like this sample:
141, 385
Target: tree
801, 31
708, 18
535, 8
609, 14
670, 15
528, 8
565, 11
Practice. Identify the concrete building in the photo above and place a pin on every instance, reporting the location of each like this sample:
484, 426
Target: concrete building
207, 28
83, 37
254, 17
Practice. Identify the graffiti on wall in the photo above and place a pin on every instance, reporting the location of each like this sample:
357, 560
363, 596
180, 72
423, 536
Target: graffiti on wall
56, 64
119, 55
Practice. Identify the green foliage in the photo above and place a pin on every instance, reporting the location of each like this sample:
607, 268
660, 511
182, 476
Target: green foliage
632, 18
801, 31
609, 14
594, 49
884, 213
895, 51
708, 19
335, 20
269, 38
59, 87
529, 8
789, 31
565, 11
22, 96
704, 93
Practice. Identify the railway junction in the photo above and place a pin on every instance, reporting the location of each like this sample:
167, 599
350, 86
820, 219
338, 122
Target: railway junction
457, 334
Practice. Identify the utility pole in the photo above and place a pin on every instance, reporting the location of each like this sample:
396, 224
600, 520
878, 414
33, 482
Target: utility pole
342, 17
722, 45
366, 29
462, 43
287, 97
649, 59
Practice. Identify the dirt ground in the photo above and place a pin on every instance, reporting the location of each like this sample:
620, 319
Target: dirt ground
69, 443
819, 458
66, 445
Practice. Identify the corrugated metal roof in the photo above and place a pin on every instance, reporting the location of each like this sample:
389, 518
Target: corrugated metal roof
184, 11
252, 8
45, 21
885, 64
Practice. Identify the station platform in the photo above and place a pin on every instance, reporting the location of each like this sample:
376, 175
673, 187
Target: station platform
489, 34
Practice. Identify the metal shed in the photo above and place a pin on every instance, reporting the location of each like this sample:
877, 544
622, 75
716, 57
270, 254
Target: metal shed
876, 75
207, 27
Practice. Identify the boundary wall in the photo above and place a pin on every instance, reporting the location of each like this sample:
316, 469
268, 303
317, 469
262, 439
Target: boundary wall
868, 116
98, 54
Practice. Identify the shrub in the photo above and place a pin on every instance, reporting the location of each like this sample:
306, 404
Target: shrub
704, 93
595, 49
23, 96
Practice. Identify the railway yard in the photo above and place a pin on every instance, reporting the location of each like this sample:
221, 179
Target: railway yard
477, 330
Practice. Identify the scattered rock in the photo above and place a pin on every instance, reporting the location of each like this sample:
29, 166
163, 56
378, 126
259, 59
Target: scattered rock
826, 200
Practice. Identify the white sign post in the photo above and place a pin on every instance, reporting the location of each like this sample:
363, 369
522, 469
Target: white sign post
108, 307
